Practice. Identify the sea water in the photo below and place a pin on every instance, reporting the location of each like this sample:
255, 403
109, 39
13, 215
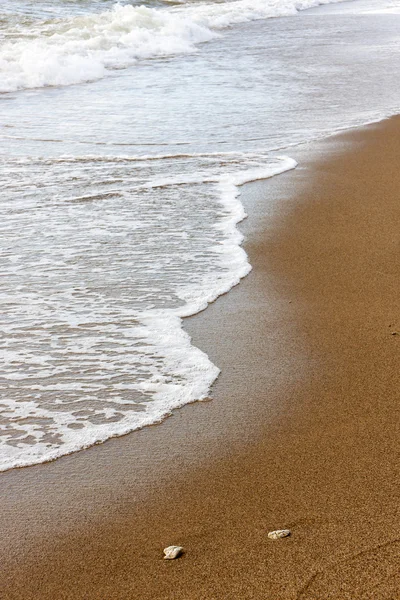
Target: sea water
126, 132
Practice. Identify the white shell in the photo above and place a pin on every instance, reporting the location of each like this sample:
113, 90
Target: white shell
172, 552
278, 534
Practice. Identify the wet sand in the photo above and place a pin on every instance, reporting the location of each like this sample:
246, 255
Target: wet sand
302, 431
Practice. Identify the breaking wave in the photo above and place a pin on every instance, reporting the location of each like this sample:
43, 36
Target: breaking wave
84, 48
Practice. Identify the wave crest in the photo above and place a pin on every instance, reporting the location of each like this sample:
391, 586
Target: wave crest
86, 48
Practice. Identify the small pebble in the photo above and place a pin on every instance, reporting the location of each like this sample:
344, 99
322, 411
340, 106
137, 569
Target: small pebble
172, 552
278, 534
394, 332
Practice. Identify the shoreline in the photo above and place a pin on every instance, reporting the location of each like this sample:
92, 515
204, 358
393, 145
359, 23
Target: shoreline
293, 437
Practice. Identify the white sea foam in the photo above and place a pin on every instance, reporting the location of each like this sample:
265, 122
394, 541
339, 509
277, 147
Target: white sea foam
86, 48
93, 303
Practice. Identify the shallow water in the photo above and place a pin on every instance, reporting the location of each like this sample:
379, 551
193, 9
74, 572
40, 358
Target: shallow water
126, 133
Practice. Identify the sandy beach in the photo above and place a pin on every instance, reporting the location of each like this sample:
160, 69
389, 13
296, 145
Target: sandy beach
302, 431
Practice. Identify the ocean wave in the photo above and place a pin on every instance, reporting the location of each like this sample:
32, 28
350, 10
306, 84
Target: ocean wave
86, 48
95, 346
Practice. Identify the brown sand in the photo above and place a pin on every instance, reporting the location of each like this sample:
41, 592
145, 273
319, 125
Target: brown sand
303, 431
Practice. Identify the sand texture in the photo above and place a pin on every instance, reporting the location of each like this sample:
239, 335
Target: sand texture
302, 433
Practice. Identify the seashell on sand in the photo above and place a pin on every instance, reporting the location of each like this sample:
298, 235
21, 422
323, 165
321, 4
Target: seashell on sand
172, 552
278, 534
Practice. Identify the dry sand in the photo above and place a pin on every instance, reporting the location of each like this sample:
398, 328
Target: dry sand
303, 431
